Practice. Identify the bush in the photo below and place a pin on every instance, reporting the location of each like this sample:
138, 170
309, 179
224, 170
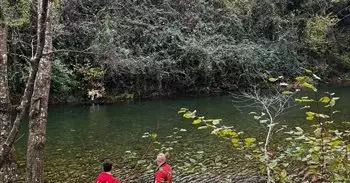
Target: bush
63, 81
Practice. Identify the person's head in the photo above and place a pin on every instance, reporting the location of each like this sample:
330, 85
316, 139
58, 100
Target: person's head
161, 159
107, 165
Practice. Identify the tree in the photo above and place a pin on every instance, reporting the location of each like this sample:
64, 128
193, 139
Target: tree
8, 170
38, 109
8, 167
271, 106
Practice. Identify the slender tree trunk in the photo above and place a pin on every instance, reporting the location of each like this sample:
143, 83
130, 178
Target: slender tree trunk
38, 110
8, 169
8, 130
6, 146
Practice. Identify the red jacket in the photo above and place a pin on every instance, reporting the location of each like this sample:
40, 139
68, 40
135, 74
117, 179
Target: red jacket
163, 174
105, 177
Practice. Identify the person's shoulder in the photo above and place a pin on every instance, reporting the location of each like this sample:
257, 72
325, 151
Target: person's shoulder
100, 176
167, 166
113, 179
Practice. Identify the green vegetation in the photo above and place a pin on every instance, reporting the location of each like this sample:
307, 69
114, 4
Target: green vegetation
157, 48
321, 154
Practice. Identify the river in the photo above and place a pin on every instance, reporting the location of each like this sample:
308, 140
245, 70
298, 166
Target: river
80, 136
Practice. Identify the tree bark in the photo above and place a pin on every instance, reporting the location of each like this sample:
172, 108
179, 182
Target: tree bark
8, 169
38, 110
8, 131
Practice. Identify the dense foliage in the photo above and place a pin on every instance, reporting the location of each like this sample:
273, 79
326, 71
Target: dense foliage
161, 47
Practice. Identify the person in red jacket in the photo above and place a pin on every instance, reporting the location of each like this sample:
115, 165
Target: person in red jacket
106, 176
164, 171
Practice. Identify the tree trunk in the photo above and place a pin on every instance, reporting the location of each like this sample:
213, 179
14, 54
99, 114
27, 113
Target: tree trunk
8, 169
11, 132
38, 110
8, 130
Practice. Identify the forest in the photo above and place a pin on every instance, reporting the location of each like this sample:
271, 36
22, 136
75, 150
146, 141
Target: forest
148, 48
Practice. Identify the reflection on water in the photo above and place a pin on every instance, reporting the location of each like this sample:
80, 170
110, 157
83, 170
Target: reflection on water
78, 137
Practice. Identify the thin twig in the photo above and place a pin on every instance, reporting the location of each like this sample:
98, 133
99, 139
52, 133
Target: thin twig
19, 138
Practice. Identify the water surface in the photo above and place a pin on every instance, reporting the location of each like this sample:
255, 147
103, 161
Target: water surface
78, 137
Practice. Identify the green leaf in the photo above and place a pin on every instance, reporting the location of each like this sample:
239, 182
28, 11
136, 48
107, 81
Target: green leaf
301, 78
310, 115
154, 135
287, 92
227, 133
216, 121
332, 103
325, 99
303, 100
189, 115
310, 118
308, 85
249, 141
337, 143
314, 166
235, 142
308, 71
273, 79
197, 121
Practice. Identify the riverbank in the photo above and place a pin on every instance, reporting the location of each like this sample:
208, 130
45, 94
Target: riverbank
114, 97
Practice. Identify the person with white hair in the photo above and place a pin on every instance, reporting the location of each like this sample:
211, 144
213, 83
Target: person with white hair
164, 171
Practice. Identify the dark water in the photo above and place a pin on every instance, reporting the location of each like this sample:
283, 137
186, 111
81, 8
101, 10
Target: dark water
78, 137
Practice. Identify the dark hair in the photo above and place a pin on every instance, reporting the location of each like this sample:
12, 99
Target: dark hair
107, 165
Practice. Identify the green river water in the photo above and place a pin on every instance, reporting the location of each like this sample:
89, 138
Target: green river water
80, 136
